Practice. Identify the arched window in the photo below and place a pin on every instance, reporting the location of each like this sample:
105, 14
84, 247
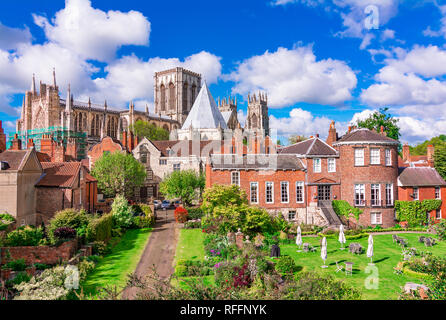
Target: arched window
166, 127
185, 96
254, 123
93, 126
84, 123
109, 127
125, 124
79, 125
171, 96
163, 97
98, 126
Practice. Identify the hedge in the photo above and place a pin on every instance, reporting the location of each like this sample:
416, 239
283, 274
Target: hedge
343, 208
100, 229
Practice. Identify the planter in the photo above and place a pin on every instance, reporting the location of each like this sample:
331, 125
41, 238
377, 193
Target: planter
5, 274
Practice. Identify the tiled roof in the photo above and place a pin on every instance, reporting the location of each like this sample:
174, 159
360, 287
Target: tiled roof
184, 148
420, 177
364, 135
256, 162
43, 157
59, 174
310, 147
14, 158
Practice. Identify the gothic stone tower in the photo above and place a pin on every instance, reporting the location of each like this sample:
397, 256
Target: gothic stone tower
175, 92
40, 110
258, 118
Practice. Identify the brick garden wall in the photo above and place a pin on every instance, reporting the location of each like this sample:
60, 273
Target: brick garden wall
43, 254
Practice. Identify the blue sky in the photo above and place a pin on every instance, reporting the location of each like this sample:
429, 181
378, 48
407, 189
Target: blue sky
317, 59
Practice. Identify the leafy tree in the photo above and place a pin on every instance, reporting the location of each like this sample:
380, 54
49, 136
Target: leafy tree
440, 160
296, 138
150, 131
186, 185
118, 173
382, 118
421, 149
220, 195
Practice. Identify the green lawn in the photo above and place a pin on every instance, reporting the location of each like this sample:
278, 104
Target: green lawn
114, 268
190, 245
386, 257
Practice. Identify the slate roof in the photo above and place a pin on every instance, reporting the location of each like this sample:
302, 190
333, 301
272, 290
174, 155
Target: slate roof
310, 147
226, 115
59, 174
14, 158
204, 113
184, 148
420, 177
364, 135
256, 162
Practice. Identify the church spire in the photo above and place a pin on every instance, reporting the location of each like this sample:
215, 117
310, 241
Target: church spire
33, 84
54, 77
68, 105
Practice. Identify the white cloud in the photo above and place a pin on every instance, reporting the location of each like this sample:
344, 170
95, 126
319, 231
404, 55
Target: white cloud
441, 32
11, 38
292, 76
410, 78
352, 13
92, 33
131, 78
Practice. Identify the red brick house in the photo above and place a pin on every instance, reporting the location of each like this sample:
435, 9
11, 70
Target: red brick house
409, 160
369, 175
106, 145
275, 182
421, 183
64, 185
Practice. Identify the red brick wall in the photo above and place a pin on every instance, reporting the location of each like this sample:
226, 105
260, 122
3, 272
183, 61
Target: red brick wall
367, 175
424, 193
246, 177
322, 177
107, 144
43, 254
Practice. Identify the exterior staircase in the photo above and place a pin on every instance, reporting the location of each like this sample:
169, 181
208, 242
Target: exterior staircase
329, 213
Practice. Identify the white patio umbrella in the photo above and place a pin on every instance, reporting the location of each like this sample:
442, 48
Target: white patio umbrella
299, 238
370, 250
324, 251
342, 239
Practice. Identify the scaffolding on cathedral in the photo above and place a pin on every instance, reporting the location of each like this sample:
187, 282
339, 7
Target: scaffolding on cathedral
58, 134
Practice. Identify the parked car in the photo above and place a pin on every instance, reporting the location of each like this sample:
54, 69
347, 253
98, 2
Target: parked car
177, 204
166, 204
157, 204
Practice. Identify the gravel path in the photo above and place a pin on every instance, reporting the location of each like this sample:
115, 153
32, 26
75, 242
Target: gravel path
159, 252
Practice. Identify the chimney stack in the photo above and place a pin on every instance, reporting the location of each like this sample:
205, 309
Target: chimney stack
406, 152
2, 139
16, 143
59, 153
430, 155
332, 134
31, 144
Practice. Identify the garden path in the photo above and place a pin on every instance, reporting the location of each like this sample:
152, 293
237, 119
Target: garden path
159, 252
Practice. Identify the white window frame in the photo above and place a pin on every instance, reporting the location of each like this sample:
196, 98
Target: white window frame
389, 187
359, 157
361, 188
378, 198
237, 173
388, 156
292, 212
177, 165
375, 158
416, 193
163, 162
266, 192
317, 168
282, 184
300, 184
374, 220
331, 162
438, 193
438, 214
256, 184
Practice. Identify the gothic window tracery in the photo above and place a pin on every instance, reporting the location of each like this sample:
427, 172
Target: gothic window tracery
163, 97
185, 96
171, 96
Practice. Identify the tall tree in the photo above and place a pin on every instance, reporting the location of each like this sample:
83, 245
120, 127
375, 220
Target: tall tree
186, 185
421, 149
440, 160
150, 131
382, 118
118, 174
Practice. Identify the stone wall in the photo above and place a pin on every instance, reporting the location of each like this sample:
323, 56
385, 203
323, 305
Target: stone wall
42, 254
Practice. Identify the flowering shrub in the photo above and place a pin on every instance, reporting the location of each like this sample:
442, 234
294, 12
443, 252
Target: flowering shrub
64, 233
77, 220
241, 278
440, 228
49, 285
180, 215
122, 213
